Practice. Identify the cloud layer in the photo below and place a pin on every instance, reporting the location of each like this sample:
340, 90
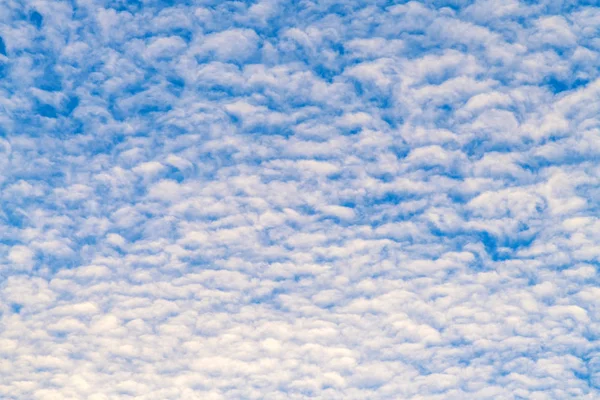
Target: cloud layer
289, 200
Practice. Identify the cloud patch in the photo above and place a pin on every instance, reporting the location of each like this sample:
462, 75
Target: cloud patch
271, 200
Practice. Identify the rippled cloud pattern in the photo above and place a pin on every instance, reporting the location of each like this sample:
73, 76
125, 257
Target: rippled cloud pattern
206, 199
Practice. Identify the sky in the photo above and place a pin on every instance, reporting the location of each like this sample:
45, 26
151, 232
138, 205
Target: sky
206, 199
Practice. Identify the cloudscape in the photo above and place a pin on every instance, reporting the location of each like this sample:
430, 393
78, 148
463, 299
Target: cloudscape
327, 199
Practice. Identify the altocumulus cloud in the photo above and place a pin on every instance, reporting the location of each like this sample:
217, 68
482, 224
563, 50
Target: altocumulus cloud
209, 199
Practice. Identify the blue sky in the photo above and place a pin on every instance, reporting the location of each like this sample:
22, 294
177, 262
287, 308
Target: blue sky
290, 200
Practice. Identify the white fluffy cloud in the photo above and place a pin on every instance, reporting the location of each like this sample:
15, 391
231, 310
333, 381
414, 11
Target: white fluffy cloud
270, 200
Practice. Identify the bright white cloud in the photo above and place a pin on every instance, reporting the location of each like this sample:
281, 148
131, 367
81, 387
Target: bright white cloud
289, 200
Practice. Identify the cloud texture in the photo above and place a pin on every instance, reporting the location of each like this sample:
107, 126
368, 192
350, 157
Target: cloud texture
307, 199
